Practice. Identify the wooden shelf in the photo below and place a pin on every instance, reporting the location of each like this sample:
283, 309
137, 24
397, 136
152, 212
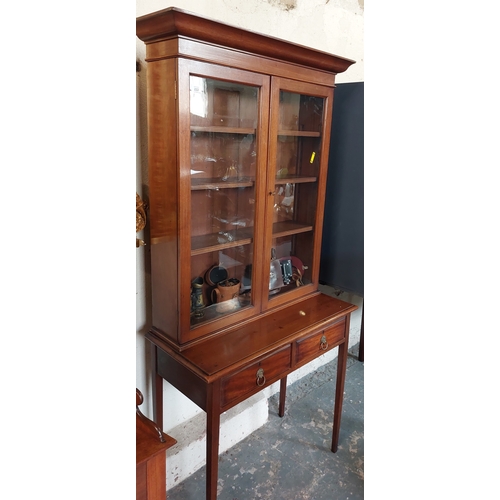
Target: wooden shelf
298, 133
217, 183
223, 130
246, 131
214, 242
294, 179
289, 228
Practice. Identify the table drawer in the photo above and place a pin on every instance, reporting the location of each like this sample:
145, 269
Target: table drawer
257, 375
320, 342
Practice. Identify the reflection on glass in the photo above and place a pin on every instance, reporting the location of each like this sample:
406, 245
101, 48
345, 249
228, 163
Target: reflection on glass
223, 165
198, 97
301, 112
298, 157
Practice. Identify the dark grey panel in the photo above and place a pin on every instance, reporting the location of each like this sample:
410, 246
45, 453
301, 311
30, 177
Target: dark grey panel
342, 252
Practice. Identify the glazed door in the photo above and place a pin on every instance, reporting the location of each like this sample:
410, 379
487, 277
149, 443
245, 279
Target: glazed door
298, 161
223, 117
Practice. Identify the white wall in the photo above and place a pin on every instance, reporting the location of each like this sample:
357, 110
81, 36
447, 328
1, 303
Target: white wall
334, 26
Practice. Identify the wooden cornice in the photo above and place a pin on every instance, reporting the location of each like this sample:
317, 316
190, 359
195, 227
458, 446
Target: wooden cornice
173, 22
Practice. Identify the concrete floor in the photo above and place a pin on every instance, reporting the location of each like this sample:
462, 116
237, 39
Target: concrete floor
290, 458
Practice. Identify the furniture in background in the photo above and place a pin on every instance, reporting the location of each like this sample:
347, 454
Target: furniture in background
342, 251
238, 137
151, 447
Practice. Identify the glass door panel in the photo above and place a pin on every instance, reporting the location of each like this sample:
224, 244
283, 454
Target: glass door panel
298, 158
223, 148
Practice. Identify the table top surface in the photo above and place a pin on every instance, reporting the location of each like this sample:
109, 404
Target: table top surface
258, 337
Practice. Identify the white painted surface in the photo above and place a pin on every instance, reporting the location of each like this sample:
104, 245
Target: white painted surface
189, 454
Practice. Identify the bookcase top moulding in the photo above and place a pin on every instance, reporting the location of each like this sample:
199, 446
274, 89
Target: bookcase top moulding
174, 23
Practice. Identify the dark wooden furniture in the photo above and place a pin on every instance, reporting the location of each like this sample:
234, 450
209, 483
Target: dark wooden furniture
151, 447
238, 131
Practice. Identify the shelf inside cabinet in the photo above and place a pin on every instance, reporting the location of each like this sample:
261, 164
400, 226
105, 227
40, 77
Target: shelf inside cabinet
298, 133
223, 130
296, 179
211, 313
217, 183
218, 241
288, 228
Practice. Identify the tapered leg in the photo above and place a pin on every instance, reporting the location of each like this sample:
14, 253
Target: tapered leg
339, 388
339, 395
213, 429
157, 390
281, 410
158, 400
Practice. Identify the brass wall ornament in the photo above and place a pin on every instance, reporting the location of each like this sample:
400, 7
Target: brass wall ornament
140, 218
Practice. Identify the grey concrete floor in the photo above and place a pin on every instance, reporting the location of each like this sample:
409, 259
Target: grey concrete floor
290, 458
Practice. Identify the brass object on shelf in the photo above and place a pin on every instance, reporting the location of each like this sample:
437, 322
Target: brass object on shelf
197, 303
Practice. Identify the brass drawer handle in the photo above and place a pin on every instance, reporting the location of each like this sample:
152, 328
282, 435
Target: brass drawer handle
323, 343
261, 380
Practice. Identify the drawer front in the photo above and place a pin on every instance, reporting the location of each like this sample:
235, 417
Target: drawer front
256, 376
318, 343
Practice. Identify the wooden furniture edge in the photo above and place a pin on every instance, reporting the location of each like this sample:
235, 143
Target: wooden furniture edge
158, 441
182, 357
173, 22
178, 348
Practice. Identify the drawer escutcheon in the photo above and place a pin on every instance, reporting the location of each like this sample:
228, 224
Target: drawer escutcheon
261, 380
319, 342
253, 377
323, 343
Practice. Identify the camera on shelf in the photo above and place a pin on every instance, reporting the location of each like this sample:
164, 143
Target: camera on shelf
286, 270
